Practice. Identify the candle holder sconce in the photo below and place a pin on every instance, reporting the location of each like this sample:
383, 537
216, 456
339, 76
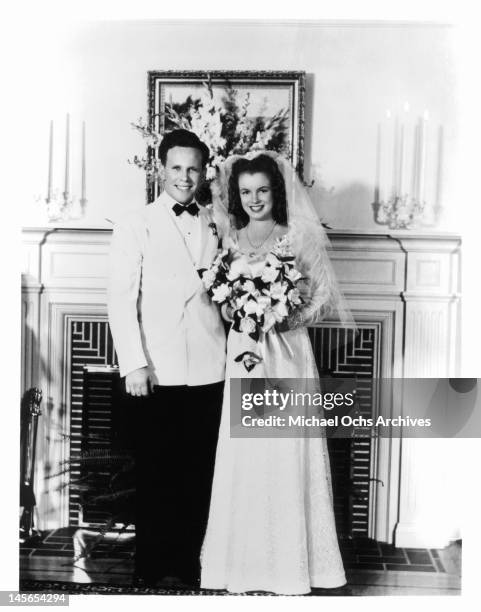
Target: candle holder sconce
400, 212
64, 207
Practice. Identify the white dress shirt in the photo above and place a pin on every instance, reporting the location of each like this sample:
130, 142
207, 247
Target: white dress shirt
189, 226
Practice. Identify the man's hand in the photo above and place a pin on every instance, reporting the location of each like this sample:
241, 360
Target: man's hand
139, 382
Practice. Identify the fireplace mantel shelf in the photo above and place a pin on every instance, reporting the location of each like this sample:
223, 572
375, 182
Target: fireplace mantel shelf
415, 234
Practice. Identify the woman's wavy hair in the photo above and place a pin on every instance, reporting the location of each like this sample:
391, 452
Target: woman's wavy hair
268, 166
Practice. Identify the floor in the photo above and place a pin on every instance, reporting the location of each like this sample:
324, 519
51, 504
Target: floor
372, 568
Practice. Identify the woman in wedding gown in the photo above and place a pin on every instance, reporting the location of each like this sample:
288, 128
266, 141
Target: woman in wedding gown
271, 522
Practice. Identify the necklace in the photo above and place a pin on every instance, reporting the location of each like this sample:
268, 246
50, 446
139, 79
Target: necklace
258, 246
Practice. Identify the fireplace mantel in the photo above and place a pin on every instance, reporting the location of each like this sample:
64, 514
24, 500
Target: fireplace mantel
404, 282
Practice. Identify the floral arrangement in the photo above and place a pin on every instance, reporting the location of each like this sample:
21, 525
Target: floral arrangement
222, 122
257, 302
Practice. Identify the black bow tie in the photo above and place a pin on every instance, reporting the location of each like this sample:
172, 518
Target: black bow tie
191, 208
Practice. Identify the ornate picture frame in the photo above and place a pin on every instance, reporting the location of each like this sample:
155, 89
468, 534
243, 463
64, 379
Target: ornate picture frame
269, 104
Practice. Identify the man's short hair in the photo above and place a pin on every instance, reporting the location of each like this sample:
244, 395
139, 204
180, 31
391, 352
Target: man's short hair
183, 138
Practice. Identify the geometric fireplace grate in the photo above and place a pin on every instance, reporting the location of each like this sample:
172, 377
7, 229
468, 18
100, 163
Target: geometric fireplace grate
341, 353
94, 389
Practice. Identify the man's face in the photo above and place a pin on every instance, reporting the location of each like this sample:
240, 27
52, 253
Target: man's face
182, 173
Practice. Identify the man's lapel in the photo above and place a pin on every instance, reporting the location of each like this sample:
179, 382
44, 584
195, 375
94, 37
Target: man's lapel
188, 274
209, 238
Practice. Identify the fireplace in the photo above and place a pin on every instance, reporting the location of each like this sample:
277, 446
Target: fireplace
95, 402
403, 291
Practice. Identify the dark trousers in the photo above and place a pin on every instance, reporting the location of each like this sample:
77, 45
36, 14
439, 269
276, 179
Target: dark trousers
174, 434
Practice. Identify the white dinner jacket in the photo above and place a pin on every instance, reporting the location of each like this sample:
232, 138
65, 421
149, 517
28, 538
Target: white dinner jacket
159, 312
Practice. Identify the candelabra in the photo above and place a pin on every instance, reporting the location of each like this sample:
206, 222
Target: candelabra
64, 206
61, 206
403, 194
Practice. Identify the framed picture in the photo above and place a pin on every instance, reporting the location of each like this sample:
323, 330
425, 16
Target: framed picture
231, 111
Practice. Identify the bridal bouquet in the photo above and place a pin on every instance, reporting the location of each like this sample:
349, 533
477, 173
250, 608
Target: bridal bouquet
257, 302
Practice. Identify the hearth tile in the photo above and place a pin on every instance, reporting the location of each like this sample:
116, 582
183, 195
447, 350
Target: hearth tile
48, 546
388, 549
365, 544
410, 568
365, 558
400, 558
65, 531
365, 566
47, 552
419, 557
113, 554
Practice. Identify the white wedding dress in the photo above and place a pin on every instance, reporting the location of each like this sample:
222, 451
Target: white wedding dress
271, 522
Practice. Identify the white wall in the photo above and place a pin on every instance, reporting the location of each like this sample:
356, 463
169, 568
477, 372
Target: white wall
98, 72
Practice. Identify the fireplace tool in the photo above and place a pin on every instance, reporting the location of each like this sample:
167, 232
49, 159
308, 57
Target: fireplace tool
28, 442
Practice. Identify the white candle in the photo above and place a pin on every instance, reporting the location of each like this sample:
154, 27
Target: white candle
439, 177
395, 158
377, 188
386, 150
67, 155
84, 191
415, 163
400, 189
422, 156
402, 154
50, 163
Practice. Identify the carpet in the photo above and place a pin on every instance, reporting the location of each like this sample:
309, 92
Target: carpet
72, 588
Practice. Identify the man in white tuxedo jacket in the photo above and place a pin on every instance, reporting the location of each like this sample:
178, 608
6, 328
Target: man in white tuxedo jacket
170, 343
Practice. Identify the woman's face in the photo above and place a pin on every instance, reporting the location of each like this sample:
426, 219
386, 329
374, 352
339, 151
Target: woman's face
256, 195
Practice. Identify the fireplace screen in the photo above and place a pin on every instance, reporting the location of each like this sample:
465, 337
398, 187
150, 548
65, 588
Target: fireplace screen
93, 422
